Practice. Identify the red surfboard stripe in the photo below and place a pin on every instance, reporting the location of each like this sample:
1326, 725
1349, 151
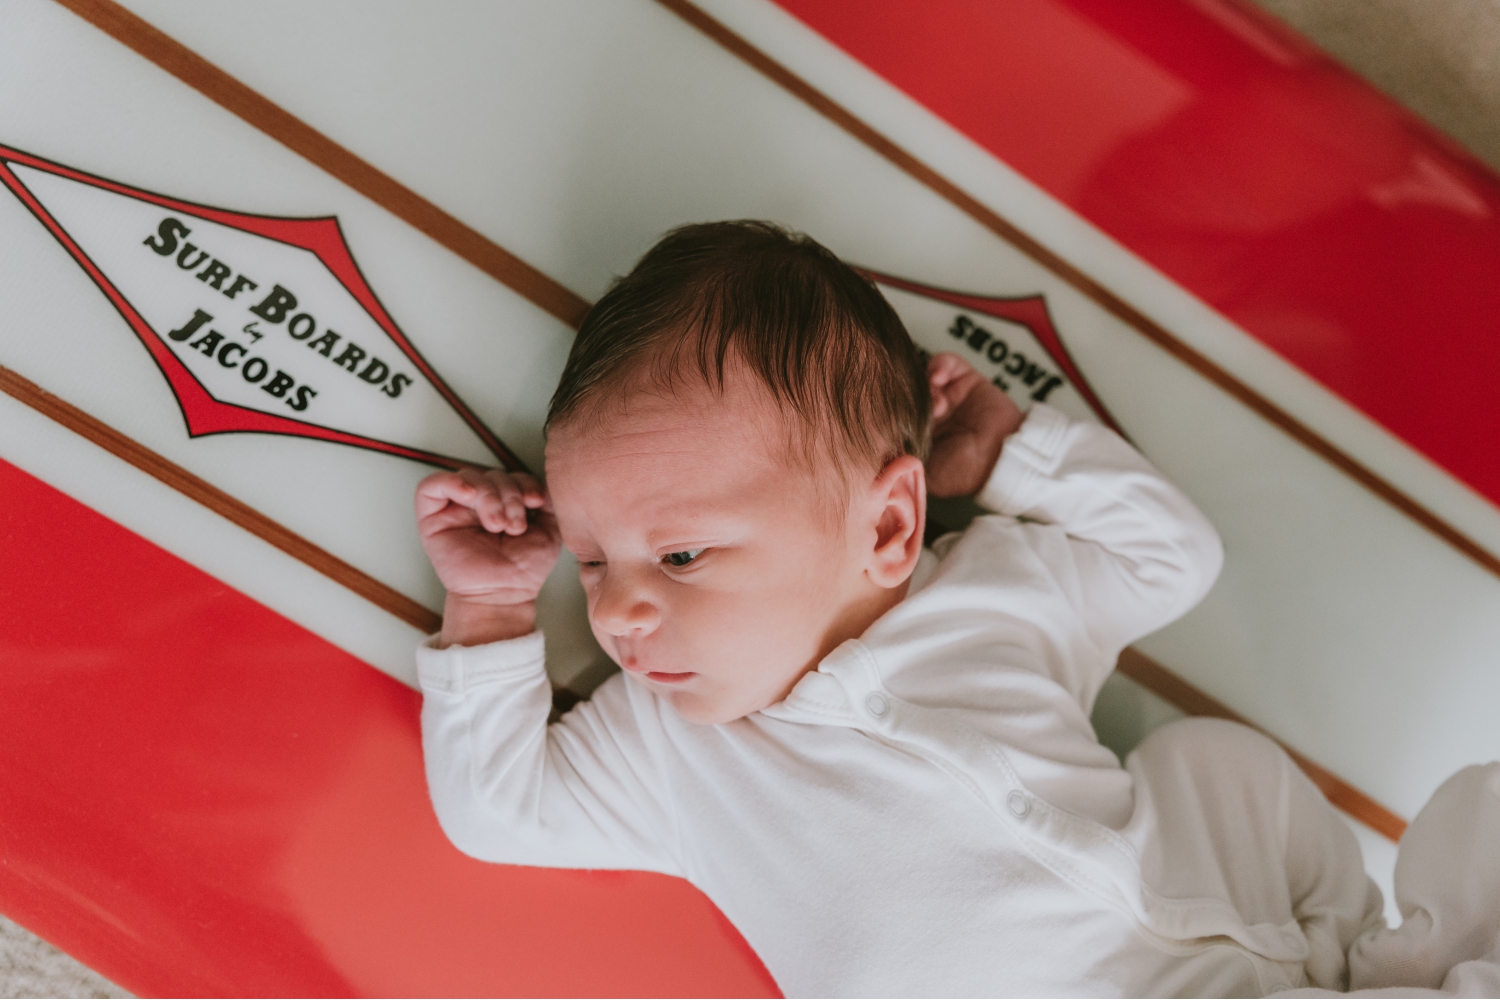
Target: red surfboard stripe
202, 798
235, 511
1304, 206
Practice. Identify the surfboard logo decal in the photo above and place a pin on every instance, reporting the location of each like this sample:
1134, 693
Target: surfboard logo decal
1017, 368
260, 324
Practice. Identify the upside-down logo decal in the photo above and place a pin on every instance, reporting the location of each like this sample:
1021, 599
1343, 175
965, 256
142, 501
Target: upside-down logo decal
1014, 342
260, 324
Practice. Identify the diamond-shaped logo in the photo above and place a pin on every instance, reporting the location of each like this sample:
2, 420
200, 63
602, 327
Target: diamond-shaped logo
260, 324
1028, 359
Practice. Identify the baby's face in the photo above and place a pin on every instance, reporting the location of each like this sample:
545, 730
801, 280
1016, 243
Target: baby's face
715, 572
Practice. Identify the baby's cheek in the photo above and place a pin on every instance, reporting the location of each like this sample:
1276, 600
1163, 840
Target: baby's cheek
796, 603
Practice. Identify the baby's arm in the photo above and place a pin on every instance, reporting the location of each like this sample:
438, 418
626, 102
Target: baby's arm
1138, 554
507, 787
1127, 549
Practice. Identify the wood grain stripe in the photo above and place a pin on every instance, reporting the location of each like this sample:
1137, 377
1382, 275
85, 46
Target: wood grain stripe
218, 501
218, 86
1086, 285
1157, 678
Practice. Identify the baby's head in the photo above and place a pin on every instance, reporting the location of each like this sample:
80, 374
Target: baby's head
735, 454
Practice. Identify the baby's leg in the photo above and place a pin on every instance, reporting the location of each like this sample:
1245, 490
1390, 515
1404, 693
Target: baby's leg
1448, 889
1237, 821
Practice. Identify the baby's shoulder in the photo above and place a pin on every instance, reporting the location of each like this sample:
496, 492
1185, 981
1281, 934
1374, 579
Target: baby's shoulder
981, 540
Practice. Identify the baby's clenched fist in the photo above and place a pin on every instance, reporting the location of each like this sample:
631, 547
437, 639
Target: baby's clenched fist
971, 418
493, 541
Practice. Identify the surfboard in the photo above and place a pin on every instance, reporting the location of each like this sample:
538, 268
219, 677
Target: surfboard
259, 281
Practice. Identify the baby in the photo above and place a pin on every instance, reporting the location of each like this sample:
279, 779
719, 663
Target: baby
875, 758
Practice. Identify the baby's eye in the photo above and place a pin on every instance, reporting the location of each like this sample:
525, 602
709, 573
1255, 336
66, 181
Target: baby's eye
684, 557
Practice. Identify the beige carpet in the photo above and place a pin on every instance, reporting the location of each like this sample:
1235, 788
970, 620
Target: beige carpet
30, 967
1440, 58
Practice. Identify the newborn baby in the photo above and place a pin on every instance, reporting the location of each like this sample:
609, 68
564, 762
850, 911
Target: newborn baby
875, 758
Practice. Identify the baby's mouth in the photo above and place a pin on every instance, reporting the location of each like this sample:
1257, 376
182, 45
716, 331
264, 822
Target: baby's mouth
660, 676
634, 665
628, 654
663, 677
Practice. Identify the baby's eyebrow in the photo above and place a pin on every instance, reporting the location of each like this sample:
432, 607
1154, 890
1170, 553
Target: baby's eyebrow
702, 526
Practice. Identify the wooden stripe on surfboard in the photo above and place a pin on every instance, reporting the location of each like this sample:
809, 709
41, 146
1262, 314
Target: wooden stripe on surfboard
1158, 679
560, 302
1086, 285
216, 500
289, 130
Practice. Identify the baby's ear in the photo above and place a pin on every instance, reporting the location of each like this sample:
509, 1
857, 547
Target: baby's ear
900, 495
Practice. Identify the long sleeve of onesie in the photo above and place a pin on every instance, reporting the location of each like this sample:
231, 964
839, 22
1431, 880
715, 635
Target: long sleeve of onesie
1129, 550
508, 787
1019, 625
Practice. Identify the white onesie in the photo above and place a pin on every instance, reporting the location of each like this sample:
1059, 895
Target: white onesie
929, 812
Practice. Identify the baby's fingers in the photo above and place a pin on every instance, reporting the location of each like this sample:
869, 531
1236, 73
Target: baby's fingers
945, 367
949, 379
533, 494
514, 494
440, 489
495, 500
446, 499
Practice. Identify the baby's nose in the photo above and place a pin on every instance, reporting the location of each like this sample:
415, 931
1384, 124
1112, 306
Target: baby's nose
623, 609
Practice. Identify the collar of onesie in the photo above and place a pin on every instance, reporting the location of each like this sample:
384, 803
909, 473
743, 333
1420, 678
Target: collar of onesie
846, 687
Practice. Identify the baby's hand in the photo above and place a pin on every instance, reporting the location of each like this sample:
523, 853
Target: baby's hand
971, 418
493, 540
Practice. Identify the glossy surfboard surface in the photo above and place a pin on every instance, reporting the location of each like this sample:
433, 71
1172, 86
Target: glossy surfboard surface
208, 789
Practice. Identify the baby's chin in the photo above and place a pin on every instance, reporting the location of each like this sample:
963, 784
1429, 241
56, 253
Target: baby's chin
706, 709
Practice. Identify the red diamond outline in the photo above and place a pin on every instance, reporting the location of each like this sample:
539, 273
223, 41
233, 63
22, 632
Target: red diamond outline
1029, 311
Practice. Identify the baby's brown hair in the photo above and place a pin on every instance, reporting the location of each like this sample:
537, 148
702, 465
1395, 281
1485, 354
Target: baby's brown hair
822, 340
